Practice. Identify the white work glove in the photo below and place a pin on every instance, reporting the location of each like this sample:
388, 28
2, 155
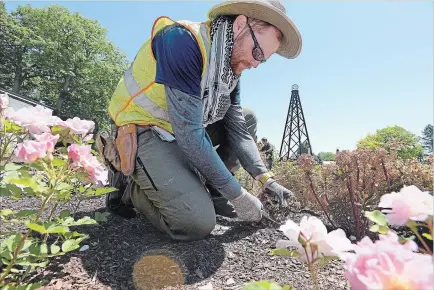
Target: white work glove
248, 207
278, 191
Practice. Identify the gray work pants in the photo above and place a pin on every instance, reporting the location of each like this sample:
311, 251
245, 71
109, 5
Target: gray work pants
167, 191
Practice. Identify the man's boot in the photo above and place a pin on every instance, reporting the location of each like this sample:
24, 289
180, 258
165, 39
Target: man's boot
119, 202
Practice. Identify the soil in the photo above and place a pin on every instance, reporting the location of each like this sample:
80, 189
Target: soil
235, 253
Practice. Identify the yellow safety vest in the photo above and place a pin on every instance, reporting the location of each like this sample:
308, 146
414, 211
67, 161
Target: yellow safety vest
137, 98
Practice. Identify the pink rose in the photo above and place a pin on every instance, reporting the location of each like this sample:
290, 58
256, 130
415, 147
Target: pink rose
82, 157
49, 140
313, 232
408, 204
30, 151
78, 152
78, 126
36, 119
387, 264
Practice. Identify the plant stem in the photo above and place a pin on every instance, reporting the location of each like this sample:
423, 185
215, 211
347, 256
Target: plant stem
317, 199
352, 198
49, 219
414, 230
312, 269
385, 173
21, 242
76, 207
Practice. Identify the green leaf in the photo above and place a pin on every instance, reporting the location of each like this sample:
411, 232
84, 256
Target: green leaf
104, 190
57, 162
48, 228
377, 217
85, 221
11, 127
4, 191
284, 253
26, 182
64, 213
69, 245
37, 228
32, 286
428, 236
35, 249
379, 229
64, 186
44, 249
11, 242
15, 190
26, 212
6, 212
54, 249
12, 167
101, 217
262, 285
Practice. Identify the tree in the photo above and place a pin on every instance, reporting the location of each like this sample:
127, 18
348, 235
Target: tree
427, 138
61, 58
393, 138
327, 156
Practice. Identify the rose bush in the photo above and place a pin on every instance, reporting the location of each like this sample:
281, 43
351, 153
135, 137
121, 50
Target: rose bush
391, 262
43, 157
342, 191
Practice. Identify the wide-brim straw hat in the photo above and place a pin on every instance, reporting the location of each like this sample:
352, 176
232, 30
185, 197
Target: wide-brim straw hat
271, 11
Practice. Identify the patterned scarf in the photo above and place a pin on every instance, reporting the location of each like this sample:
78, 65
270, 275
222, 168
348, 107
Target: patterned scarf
220, 78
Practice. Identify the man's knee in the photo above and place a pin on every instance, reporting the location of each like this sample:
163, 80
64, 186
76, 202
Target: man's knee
196, 228
251, 121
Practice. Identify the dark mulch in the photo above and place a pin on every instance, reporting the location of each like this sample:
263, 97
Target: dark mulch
235, 253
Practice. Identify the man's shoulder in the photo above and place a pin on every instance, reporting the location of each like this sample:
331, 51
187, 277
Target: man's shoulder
175, 33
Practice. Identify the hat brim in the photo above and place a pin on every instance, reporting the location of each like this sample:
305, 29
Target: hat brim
290, 45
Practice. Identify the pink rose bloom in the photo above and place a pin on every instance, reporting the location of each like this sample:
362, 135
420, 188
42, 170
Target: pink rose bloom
408, 204
387, 264
82, 157
313, 231
49, 140
30, 151
78, 152
78, 126
36, 119
4, 101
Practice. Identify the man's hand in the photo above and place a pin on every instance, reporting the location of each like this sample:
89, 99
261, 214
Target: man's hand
248, 207
278, 191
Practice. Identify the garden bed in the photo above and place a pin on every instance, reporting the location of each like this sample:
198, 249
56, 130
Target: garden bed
235, 253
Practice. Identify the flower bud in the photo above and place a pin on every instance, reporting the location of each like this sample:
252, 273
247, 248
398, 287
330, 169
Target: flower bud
302, 240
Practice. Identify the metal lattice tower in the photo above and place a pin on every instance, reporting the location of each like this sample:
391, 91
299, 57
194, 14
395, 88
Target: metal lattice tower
295, 139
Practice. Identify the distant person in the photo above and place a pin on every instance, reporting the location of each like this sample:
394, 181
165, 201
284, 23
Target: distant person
181, 131
268, 149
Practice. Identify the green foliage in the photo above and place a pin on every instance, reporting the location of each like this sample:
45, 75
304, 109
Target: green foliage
55, 183
427, 138
327, 156
58, 57
395, 138
266, 285
284, 253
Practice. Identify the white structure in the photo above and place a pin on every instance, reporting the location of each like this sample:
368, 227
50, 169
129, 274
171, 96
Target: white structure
17, 102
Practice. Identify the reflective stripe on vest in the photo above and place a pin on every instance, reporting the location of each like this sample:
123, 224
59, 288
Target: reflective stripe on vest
141, 99
137, 98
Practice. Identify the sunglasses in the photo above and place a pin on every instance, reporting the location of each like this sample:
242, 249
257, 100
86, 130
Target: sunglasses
257, 52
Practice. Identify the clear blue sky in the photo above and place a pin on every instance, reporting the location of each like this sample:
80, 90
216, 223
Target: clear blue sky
363, 65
